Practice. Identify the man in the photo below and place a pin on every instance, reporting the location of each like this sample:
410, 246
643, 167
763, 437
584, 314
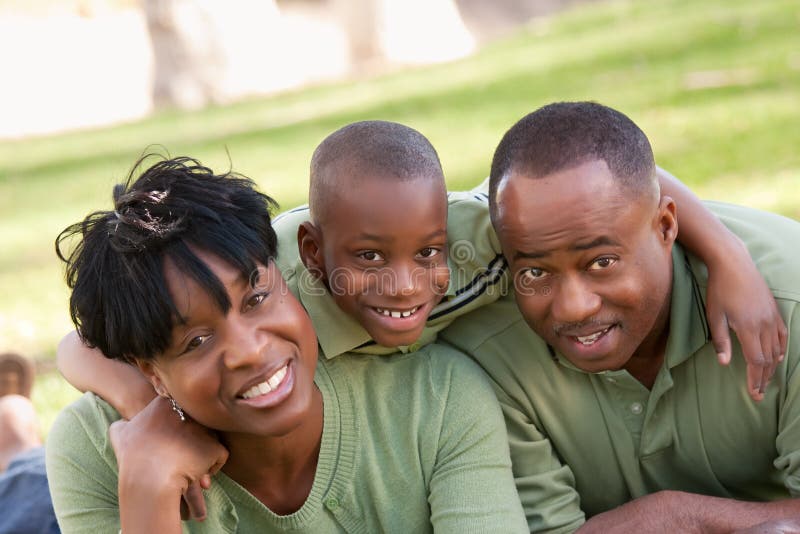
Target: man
618, 410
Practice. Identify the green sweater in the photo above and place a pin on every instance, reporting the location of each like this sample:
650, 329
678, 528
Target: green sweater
412, 443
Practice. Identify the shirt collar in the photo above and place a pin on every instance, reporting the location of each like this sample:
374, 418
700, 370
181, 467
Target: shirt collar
337, 332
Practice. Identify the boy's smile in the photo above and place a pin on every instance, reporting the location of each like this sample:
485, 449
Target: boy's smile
382, 251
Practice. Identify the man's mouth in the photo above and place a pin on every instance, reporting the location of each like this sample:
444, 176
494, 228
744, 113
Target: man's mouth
592, 338
267, 386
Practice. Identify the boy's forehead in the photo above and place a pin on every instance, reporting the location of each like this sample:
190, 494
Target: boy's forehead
388, 206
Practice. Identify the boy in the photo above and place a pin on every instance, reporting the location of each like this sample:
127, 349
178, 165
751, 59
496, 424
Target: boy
179, 279
375, 262
380, 237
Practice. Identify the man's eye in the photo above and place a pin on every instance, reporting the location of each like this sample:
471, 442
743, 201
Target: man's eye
601, 263
195, 343
255, 300
428, 252
370, 255
534, 273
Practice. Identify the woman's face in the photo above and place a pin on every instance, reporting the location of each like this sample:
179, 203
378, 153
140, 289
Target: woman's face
248, 371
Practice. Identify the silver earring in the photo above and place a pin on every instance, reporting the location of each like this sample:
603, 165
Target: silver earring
177, 409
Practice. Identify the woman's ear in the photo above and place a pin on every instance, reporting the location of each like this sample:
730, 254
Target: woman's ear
148, 369
309, 244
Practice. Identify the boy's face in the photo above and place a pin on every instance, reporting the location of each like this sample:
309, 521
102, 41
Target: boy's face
250, 370
384, 250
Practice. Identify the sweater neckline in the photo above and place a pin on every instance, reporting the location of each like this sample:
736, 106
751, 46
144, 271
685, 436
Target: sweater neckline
335, 464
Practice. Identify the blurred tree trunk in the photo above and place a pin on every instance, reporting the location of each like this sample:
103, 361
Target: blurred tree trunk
404, 31
189, 38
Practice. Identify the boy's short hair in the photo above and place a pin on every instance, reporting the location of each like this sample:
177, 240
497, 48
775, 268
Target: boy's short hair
563, 135
120, 302
369, 148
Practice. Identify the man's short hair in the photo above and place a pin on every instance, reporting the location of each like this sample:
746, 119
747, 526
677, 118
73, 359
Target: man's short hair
120, 302
564, 135
369, 149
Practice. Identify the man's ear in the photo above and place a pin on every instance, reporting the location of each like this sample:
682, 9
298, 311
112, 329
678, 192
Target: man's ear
309, 244
147, 368
667, 220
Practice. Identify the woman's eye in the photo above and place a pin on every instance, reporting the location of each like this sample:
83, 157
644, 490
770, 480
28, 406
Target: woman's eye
601, 263
370, 255
195, 343
428, 252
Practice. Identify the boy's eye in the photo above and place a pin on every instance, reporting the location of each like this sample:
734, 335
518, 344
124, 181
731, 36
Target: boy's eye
533, 273
195, 343
255, 300
602, 263
370, 255
428, 252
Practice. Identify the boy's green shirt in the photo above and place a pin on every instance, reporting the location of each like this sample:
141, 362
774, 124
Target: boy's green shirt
477, 276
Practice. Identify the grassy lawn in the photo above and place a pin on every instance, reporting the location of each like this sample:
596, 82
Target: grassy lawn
713, 83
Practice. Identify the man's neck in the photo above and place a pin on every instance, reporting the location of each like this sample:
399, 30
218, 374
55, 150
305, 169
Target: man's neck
648, 358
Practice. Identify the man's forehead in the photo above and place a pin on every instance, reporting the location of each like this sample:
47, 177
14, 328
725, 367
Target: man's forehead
575, 209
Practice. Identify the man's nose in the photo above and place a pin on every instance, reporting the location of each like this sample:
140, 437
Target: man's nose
574, 301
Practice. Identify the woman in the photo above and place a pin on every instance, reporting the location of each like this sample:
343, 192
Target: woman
179, 280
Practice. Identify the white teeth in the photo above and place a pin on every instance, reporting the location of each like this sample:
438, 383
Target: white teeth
397, 314
588, 340
266, 386
277, 378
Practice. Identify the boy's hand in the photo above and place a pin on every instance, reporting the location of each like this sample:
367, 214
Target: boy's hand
738, 299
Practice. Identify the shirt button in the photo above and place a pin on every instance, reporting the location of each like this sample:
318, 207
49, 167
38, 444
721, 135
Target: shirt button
611, 380
332, 503
636, 408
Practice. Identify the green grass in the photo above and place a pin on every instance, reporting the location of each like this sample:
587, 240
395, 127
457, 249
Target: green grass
734, 139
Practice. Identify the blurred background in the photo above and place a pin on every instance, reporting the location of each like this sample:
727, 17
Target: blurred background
254, 85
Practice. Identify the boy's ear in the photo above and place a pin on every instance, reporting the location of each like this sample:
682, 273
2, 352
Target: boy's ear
309, 244
148, 370
667, 221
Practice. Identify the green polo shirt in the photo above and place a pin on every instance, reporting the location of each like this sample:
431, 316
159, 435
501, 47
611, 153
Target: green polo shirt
413, 443
584, 443
477, 277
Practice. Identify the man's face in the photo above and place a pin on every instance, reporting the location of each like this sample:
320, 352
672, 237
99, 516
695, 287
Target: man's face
591, 262
384, 248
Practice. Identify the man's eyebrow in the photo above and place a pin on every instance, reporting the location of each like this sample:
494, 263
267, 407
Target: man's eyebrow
599, 242
536, 254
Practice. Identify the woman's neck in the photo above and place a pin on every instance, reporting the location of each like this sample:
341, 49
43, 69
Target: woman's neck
279, 471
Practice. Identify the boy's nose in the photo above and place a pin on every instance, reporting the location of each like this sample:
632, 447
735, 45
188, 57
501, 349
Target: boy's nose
403, 280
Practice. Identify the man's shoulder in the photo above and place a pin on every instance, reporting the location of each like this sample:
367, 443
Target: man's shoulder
773, 242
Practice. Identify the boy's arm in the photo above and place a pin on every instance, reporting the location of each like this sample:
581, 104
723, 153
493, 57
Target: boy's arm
737, 297
118, 383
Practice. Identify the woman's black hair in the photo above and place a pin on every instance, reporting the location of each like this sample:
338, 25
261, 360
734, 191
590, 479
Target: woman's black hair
120, 302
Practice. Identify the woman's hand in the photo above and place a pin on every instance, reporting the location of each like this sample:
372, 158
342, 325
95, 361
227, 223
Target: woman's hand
159, 458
